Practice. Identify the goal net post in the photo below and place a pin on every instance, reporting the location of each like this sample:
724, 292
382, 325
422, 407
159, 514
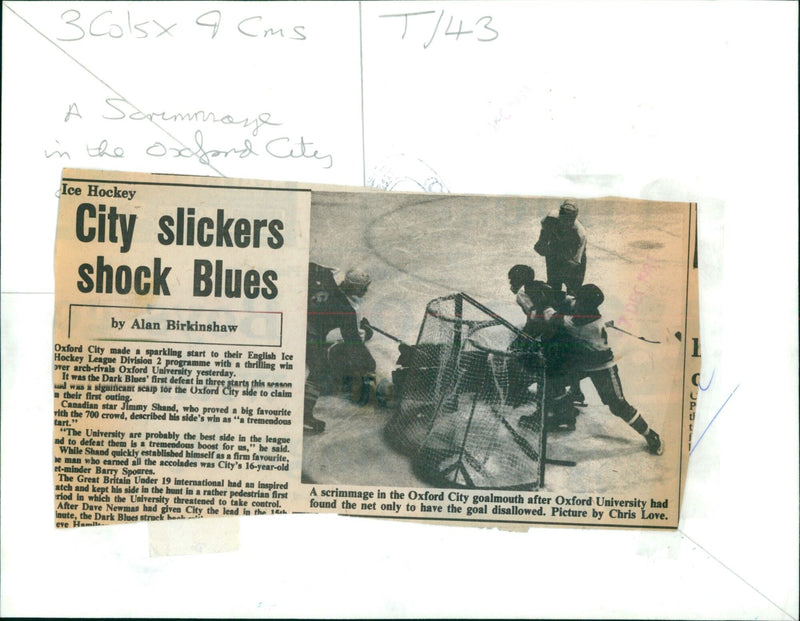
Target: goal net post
471, 399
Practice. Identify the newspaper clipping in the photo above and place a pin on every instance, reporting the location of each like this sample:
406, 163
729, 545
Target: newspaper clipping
230, 348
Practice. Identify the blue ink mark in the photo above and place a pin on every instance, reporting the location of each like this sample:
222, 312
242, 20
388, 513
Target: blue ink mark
711, 422
707, 386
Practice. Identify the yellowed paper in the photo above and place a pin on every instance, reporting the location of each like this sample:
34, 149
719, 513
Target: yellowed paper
453, 443
230, 348
178, 348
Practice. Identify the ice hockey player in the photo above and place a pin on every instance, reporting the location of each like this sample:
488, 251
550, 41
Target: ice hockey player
590, 356
536, 298
538, 344
522, 282
332, 306
562, 242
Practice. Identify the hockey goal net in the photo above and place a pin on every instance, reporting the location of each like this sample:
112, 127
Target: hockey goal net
471, 399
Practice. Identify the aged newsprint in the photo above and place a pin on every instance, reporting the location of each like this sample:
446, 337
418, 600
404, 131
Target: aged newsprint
231, 347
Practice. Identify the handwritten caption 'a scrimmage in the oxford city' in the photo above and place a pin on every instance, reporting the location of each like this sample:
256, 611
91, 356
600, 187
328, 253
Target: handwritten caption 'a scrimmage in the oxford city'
118, 110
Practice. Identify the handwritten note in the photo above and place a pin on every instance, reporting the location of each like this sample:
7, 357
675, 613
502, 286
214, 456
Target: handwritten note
193, 89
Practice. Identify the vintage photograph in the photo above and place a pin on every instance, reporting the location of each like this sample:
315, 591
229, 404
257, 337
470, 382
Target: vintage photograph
502, 343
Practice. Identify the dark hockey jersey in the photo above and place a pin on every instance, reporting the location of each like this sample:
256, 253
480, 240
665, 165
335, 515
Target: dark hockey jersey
328, 307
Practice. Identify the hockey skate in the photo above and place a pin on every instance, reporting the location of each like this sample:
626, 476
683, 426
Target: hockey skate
654, 443
367, 385
576, 396
561, 421
562, 413
313, 425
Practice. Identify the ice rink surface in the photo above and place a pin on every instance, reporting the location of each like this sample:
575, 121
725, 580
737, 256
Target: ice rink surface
418, 247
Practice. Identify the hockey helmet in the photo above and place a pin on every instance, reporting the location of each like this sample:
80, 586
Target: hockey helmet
519, 275
589, 296
568, 209
357, 278
356, 282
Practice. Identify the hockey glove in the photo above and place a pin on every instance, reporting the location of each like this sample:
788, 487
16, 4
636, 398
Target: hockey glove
368, 331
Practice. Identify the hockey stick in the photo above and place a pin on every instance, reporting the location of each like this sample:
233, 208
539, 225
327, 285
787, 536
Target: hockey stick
560, 462
610, 324
386, 334
497, 317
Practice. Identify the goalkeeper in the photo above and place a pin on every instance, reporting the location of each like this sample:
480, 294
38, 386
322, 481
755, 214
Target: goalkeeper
332, 306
